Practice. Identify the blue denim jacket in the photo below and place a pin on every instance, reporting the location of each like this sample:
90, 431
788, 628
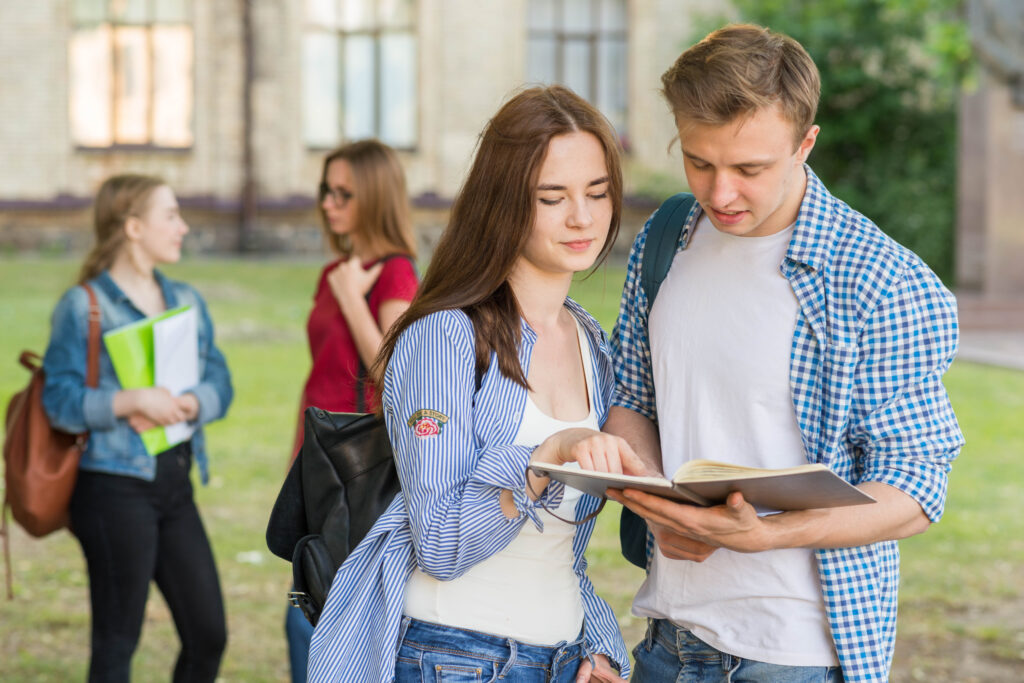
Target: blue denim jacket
113, 446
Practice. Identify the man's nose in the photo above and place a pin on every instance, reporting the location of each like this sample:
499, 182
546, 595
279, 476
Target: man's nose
723, 190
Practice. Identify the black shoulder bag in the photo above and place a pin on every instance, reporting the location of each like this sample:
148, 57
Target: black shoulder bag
342, 480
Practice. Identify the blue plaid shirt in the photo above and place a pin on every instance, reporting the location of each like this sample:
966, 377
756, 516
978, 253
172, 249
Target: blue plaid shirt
875, 332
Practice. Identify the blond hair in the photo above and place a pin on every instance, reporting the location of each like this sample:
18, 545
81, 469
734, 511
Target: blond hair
383, 221
119, 198
739, 69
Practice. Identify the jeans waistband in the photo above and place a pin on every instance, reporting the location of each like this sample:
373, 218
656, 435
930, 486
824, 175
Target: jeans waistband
485, 645
669, 634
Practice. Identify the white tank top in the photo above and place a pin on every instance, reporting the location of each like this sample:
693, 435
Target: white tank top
528, 591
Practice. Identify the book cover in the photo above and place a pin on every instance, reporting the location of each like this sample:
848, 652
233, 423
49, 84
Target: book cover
705, 483
161, 350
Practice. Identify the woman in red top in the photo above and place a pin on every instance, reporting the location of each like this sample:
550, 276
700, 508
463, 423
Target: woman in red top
360, 294
366, 218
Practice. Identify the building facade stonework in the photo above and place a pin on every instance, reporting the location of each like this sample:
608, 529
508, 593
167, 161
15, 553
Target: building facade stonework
246, 177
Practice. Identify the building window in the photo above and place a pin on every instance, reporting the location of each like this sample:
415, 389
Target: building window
359, 72
581, 44
130, 67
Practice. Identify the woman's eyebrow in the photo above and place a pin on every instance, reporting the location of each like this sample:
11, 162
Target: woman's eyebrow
548, 186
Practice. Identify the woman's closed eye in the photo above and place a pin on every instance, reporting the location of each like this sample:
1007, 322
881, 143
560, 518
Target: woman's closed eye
555, 201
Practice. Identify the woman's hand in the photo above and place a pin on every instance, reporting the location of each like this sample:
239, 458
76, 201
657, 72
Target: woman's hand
187, 402
349, 281
603, 671
140, 423
190, 404
592, 450
155, 404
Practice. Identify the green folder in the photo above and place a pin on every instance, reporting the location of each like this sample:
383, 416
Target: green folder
131, 353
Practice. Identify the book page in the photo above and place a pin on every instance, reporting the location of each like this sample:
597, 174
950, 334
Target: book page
176, 361
595, 483
710, 470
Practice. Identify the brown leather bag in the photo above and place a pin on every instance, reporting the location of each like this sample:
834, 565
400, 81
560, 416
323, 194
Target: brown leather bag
40, 462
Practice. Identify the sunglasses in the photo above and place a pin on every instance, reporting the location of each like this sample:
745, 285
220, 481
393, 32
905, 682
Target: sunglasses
339, 195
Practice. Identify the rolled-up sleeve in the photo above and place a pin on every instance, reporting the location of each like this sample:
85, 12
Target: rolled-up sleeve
70, 405
909, 435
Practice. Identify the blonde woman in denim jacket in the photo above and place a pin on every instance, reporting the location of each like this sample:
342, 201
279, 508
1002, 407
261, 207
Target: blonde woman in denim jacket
133, 513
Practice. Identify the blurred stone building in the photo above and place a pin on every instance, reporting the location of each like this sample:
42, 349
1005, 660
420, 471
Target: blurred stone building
235, 102
990, 221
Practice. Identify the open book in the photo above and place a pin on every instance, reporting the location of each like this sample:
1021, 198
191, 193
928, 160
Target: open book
706, 482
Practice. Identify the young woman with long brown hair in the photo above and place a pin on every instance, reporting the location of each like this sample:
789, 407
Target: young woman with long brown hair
370, 281
477, 567
132, 512
368, 284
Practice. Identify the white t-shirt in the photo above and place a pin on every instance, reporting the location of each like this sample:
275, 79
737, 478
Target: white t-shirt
528, 591
721, 329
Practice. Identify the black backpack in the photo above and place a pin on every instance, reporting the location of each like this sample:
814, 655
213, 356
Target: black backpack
342, 480
659, 251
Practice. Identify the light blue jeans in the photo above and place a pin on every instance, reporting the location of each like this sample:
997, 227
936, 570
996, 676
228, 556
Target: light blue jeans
299, 631
671, 653
433, 652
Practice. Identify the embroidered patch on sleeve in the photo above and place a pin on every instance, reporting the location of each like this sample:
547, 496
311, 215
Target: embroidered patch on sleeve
426, 423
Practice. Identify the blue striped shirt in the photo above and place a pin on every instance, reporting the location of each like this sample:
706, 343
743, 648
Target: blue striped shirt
875, 332
448, 517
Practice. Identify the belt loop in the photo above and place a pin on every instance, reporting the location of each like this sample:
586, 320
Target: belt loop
512, 654
564, 655
649, 637
406, 621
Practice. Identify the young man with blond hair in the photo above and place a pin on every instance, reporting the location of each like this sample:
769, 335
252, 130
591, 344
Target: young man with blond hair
789, 329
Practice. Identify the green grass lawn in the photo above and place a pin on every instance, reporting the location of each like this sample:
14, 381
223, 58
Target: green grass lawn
963, 589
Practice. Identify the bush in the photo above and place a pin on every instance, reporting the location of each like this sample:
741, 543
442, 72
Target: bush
891, 72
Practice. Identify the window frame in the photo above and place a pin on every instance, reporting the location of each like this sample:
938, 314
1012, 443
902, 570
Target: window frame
376, 30
114, 23
561, 37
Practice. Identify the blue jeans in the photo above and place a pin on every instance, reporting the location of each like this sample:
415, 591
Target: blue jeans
298, 630
432, 652
671, 653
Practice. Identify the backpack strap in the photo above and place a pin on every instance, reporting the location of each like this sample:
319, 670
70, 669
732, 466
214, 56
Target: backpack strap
659, 252
662, 238
92, 371
32, 362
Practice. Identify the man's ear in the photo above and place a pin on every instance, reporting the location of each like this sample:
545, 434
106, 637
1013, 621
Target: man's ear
803, 150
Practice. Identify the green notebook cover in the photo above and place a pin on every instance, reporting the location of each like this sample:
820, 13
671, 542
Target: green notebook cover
131, 353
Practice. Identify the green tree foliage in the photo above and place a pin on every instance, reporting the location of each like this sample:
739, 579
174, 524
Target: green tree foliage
890, 71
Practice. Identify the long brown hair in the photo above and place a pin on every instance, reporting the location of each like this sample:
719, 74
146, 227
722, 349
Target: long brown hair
119, 198
492, 218
383, 221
